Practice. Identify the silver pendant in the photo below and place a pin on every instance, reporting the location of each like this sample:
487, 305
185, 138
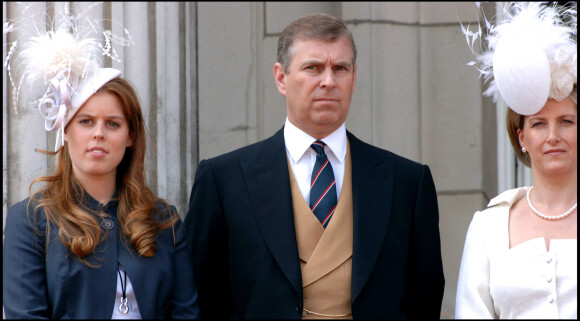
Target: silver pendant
124, 307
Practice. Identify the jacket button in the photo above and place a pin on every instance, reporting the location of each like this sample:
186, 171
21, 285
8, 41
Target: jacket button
107, 224
299, 307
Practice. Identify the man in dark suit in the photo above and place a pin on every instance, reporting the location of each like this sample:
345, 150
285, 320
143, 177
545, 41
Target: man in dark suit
261, 249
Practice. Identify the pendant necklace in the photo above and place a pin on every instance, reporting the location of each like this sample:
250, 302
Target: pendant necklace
123, 307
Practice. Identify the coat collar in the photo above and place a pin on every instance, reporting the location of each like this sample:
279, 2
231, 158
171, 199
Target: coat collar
94, 206
509, 197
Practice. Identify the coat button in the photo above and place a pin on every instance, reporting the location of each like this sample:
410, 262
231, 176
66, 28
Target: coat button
550, 299
107, 224
299, 307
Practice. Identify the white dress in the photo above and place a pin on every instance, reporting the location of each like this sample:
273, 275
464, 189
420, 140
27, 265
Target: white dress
526, 281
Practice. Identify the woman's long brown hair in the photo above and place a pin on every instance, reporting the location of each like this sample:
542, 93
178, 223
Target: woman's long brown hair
61, 197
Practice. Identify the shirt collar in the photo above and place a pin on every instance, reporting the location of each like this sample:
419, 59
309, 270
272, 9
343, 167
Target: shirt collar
298, 142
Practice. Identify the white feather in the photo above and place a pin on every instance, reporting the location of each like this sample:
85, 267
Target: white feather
64, 48
46, 55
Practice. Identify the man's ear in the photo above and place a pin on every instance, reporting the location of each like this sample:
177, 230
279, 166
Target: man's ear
280, 78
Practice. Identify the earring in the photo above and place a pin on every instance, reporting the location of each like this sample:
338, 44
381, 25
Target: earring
523, 150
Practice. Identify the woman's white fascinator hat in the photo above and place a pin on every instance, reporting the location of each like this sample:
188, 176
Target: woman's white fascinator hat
66, 61
530, 56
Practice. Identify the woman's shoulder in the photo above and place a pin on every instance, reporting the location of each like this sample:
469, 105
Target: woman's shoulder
24, 206
502, 202
164, 210
497, 211
508, 197
21, 205
26, 213
164, 206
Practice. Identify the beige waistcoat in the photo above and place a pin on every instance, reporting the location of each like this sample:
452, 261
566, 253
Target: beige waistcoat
325, 255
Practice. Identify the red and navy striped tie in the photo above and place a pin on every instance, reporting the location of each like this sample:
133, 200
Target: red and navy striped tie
322, 187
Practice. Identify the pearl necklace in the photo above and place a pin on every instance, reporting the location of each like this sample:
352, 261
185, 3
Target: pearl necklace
548, 217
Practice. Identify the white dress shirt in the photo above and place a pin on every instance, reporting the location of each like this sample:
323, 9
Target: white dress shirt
526, 281
302, 157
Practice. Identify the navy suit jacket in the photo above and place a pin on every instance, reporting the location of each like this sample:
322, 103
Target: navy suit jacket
240, 227
45, 281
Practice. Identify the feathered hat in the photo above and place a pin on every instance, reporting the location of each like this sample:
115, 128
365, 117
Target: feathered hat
531, 55
64, 59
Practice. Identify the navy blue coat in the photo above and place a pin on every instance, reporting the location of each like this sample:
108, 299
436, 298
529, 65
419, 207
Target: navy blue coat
241, 227
56, 285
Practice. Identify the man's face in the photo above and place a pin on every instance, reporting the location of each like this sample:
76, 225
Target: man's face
318, 85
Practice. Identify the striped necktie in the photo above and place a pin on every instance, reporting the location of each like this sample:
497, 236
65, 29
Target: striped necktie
322, 187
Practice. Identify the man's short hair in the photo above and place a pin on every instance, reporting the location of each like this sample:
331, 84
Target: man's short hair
314, 26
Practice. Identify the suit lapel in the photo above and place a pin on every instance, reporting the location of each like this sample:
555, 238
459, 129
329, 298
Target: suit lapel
372, 185
268, 184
